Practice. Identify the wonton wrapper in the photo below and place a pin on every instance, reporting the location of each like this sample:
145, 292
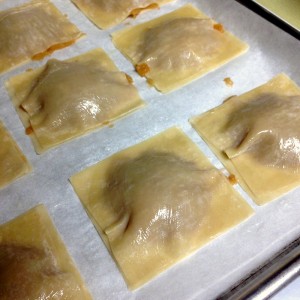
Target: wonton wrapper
65, 99
22, 40
13, 163
156, 203
178, 47
263, 180
34, 263
108, 13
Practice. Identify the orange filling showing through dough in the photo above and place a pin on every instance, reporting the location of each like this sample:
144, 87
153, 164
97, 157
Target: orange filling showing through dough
228, 81
219, 27
135, 12
50, 50
150, 81
29, 130
142, 69
232, 179
129, 78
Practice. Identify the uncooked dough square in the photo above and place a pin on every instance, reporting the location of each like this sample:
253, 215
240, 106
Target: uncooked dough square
65, 99
13, 163
175, 49
32, 31
157, 202
107, 14
34, 262
257, 138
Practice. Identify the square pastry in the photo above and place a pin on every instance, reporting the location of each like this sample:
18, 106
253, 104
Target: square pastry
13, 163
257, 137
34, 263
21, 40
65, 99
106, 14
178, 47
157, 202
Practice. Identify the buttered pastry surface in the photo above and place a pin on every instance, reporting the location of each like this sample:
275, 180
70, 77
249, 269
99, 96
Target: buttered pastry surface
257, 137
178, 47
65, 99
157, 202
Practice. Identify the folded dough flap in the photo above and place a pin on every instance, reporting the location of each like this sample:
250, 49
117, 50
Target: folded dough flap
268, 129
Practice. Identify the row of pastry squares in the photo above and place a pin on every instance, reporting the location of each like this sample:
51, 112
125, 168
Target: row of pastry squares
161, 200
158, 201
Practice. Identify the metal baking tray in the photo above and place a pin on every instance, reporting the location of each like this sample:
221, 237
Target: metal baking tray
288, 11
283, 13
223, 262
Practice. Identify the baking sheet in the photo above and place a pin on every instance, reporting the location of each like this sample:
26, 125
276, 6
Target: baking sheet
286, 10
218, 265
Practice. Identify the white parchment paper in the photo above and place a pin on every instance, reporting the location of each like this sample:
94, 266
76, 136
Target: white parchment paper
221, 263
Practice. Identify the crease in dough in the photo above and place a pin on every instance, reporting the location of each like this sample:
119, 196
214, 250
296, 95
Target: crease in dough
257, 137
65, 99
156, 203
34, 263
13, 163
172, 183
106, 14
178, 47
269, 129
158, 50
47, 31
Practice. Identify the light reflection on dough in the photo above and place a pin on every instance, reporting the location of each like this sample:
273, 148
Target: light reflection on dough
256, 136
156, 203
70, 98
89, 107
269, 129
159, 203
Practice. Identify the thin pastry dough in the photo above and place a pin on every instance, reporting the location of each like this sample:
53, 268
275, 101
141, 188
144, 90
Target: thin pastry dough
106, 14
21, 40
13, 163
178, 47
256, 137
34, 263
156, 203
65, 99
